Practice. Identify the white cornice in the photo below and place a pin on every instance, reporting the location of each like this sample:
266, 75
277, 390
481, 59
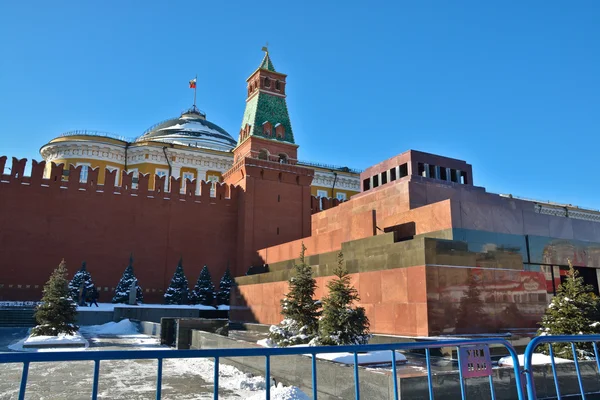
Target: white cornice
326, 179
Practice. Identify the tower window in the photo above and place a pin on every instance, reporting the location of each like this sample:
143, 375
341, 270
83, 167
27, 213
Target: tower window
432, 171
283, 158
267, 128
403, 170
279, 131
421, 169
267, 82
453, 177
263, 155
277, 85
443, 174
375, 181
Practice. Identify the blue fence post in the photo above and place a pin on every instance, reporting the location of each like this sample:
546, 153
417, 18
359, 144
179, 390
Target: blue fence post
216, 380
429, 380
460, 376
96, 375
553, 363
578, 371
268, 376
314, 376
356, 382
24, 380
395, 377
159, 379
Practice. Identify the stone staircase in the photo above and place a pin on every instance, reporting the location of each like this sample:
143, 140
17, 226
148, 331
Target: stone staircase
16, 317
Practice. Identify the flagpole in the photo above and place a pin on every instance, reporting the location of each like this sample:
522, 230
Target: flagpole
195, 86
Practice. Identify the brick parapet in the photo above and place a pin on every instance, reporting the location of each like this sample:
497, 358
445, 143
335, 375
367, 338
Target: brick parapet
224, 193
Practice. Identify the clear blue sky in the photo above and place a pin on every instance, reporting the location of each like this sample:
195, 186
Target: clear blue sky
512, 87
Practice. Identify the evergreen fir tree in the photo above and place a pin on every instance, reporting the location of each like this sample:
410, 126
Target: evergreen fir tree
124, 286
177, 292
81, 277
471, 316
299, 309
57, 312
204, 291
573, 311
225, 288
341, 323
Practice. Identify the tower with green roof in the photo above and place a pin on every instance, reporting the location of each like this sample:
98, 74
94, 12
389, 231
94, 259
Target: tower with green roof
274, 200
266, 117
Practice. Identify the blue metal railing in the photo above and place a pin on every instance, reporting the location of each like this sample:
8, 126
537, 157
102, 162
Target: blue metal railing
86, 132
536, 342
217, 354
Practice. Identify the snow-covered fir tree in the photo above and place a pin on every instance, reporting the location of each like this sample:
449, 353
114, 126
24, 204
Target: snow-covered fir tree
342, 322
124, 286
299, 309
204, 291
575, 310
81, 277
177, 292
56, 314
225, 288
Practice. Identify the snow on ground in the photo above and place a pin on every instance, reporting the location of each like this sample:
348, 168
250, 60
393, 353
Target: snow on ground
281, 392
244, 385
123, 327
111, 307
61, 339
537, 359
373, 357
138, 377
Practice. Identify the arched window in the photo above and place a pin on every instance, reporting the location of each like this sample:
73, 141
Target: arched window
277, 85
283, 158
267, 128
267, 83
263, 155
279, 131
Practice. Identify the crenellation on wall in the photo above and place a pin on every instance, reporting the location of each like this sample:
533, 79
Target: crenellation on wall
17, 171
224, 193
2, 165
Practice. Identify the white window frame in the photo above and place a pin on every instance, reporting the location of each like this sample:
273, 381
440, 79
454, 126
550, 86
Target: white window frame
213, 188
341, 196
321, 194
184, 176
136, 175
83, 178
113, 168
165, 173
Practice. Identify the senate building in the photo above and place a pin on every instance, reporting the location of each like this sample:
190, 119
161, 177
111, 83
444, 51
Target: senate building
429, 251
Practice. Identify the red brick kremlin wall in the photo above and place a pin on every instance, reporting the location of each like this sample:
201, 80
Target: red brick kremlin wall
43, 221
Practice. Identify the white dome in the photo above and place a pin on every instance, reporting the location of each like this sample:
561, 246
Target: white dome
190, 129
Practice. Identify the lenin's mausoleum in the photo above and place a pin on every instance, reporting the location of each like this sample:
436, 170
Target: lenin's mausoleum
429, 251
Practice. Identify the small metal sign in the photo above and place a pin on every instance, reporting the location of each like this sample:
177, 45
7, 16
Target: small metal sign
475, 361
